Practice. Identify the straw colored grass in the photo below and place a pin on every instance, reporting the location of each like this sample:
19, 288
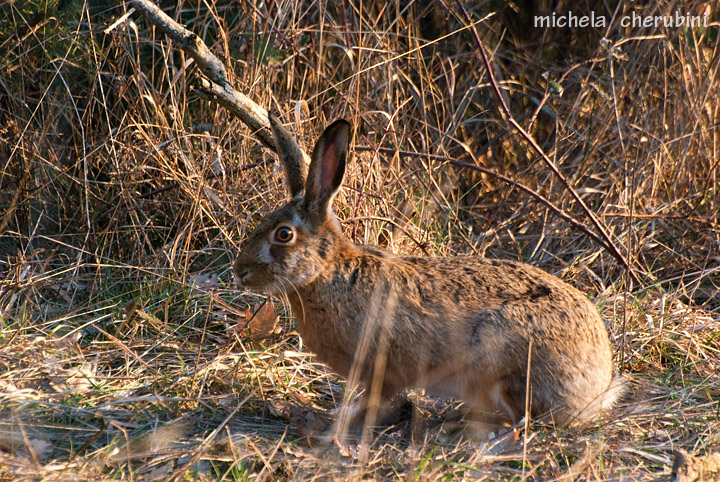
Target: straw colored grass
126, 353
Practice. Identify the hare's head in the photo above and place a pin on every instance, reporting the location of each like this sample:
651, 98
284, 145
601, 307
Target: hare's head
295, 244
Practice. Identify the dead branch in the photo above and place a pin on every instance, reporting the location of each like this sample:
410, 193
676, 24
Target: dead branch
609, 245
558, 211
216, 85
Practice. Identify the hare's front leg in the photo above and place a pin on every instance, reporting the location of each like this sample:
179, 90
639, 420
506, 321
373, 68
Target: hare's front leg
372, 409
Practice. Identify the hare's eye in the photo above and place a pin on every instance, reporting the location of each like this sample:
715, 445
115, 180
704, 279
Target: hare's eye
284, 234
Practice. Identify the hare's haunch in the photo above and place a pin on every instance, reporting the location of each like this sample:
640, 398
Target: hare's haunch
464, 326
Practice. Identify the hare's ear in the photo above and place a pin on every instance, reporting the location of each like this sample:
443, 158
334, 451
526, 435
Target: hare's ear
291, 156
327, 167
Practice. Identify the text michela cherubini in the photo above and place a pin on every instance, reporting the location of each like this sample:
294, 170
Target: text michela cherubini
572, 20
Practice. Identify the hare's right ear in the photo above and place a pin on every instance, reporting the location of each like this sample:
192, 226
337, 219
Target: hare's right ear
327, 168
291, 156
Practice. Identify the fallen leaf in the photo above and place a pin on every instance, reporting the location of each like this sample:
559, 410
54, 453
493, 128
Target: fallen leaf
261, 324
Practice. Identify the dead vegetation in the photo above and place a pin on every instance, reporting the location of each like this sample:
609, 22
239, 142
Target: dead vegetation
125, 352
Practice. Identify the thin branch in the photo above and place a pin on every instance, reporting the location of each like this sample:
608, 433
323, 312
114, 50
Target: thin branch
609, 245
216, 86
559, 212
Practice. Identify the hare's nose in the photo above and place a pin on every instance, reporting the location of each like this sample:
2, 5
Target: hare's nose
241, 273
241, 270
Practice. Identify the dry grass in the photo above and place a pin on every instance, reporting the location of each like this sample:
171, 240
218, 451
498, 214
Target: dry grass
124, 349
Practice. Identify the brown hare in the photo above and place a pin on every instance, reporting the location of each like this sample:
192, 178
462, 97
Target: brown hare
461, 327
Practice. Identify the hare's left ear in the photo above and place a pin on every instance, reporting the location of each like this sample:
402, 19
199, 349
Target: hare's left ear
327, 168
291, 156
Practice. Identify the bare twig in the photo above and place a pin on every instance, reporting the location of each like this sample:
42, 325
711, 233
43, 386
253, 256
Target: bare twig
216, 86
609, 245
559, 212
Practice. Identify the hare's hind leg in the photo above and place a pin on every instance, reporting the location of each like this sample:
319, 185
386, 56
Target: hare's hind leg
490, 411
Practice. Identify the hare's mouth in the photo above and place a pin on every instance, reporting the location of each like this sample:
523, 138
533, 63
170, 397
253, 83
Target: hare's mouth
257, 277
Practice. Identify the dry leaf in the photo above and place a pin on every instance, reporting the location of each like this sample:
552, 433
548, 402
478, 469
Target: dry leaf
261, 324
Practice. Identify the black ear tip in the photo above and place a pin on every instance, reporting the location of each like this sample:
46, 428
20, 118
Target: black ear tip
339, 127
272, 118
342, 122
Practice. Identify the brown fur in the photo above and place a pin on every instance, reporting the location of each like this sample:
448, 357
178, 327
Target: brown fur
458, 326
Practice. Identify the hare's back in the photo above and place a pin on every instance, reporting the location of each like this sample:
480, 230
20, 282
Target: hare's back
508, 303
467, 279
